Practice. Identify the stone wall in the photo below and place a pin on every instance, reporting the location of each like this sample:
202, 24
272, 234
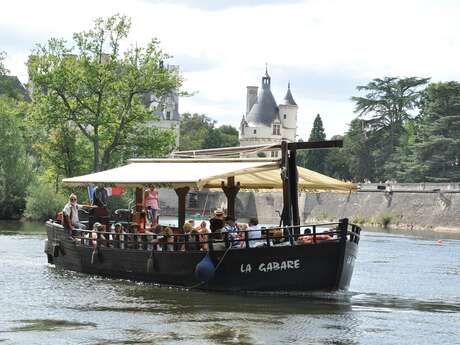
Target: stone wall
408, 206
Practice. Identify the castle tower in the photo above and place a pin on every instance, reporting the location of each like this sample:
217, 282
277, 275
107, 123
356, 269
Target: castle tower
265, 122
288, 115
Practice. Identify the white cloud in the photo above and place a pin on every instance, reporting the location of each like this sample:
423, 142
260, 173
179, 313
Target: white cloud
357, 38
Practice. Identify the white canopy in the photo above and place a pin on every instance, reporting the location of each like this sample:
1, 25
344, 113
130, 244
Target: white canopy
207, 173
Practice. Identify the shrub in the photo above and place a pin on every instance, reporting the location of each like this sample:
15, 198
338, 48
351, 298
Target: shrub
359, 219
42, 202
384, 220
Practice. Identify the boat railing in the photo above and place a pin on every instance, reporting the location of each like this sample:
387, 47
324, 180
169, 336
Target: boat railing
270, 237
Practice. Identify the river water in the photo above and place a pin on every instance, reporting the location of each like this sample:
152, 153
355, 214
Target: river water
405, 290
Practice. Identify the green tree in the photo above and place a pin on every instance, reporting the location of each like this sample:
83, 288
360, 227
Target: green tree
388, 103
15, 170
337, 163
357, 150
97, 88
436, 148
223, 136
194, 129
314, 159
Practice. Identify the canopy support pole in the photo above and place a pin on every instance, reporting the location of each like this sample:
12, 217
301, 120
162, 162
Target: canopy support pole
230, 192
139, 197
181, 196
287, 209
294, 192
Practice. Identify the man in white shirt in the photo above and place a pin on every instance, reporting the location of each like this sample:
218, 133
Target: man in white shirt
70, 212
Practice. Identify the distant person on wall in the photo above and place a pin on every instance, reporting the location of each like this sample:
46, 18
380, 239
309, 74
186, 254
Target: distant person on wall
151, 204
70, 213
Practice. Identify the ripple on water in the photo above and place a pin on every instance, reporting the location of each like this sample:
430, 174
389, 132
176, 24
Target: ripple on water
49, 325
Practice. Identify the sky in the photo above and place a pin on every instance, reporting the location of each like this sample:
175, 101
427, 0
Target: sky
324, 48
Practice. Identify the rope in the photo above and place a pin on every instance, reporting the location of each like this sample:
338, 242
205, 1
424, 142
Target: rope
205, 204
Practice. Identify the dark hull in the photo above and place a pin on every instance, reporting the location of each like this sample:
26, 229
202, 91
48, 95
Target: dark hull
324, 266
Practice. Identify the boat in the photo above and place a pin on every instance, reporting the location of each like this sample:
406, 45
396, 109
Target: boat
291, 257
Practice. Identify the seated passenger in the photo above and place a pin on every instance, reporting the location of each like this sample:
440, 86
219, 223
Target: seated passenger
242, 233
232, 231
218, 243
168, 234
156, 241
204, 238
254, 233
117, 235
194, 239
97, 235
203, 228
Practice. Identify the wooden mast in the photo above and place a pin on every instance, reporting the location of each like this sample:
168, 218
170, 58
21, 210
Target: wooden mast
287, 206
181, 196
230, 192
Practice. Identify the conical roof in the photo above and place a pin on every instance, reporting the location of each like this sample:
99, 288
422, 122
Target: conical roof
265, 110
288, 99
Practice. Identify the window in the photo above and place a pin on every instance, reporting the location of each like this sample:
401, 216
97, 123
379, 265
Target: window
255, 131
285, 116
274, 154
168, 115
276, 129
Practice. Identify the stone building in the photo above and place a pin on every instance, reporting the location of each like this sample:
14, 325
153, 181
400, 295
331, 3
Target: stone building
265, 121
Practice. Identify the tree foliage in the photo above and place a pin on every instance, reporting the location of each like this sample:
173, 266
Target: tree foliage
98, 89
436, 148
199, 132
314, 159
15, 172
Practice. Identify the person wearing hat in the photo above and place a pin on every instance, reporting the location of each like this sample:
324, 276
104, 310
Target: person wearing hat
219, 214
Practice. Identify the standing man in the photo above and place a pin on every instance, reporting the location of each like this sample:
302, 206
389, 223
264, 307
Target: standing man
71, 220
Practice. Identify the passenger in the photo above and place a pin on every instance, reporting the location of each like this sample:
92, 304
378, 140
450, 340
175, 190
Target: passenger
97, 235
168, 233
117, 236
132, 237
204, 238
187, 228
100, 197
232, 231
151, 204
194, 239
276, 236
70, 212
219, 214
192, 222
124, 237
218, 243
254, 233
156, 242
216, 226
203, 228
242, 233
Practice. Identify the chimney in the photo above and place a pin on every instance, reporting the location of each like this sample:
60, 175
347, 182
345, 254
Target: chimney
251, 97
